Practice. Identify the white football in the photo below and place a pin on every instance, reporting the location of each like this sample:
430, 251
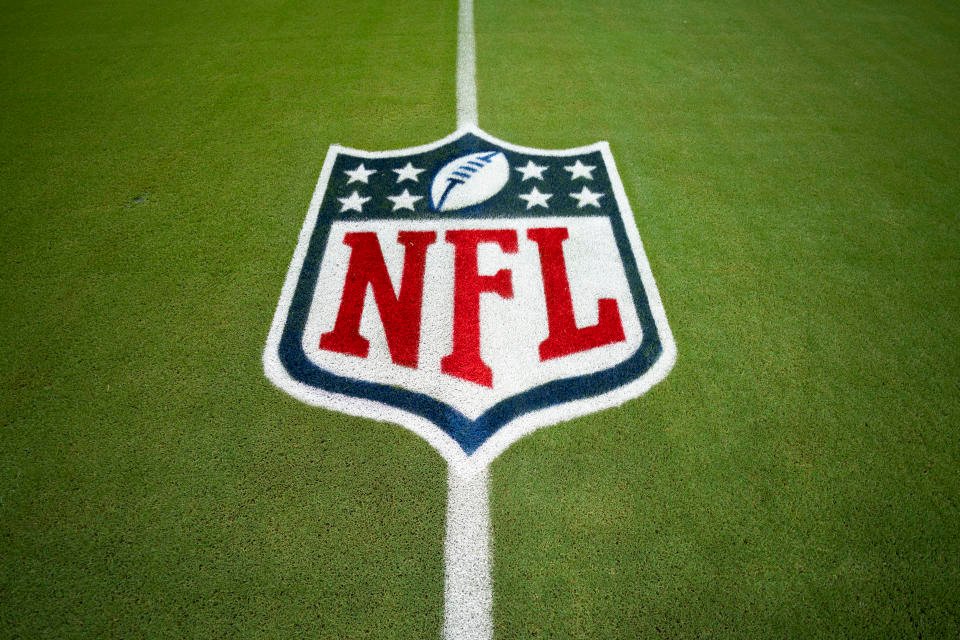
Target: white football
469, 180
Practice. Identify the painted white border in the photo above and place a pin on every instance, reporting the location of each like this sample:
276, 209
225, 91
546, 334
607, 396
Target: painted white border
467, 112
458, 460
468, 583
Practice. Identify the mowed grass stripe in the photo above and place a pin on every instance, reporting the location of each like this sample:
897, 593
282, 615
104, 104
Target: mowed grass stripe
793, 170
157, 163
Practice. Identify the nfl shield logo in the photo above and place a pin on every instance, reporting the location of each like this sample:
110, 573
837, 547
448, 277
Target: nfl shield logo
470, 290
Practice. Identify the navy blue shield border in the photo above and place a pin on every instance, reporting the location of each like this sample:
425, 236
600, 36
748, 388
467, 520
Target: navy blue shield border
459, 439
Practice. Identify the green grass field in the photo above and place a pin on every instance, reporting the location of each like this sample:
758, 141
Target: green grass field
795, 169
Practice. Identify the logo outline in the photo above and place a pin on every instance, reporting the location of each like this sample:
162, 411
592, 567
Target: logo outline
521, 423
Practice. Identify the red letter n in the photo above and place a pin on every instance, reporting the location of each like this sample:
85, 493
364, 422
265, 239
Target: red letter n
565, 337
399, 313
464, 361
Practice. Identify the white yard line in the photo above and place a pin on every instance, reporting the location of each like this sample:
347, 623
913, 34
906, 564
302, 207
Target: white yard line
466, 68
468, 589
468, 585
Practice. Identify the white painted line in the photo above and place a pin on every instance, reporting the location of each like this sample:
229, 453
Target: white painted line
468, 585
468, 588
466, 68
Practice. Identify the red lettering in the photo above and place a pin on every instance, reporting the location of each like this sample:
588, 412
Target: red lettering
464, 361
565, 337
399, 313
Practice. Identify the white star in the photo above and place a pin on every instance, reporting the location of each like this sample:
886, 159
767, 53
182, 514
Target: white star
405, 200
531, 171
408, 172
535, 198
361, 173
580, 170
353, 202
586, 197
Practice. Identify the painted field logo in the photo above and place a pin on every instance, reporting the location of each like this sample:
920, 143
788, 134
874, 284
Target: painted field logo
470, 290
